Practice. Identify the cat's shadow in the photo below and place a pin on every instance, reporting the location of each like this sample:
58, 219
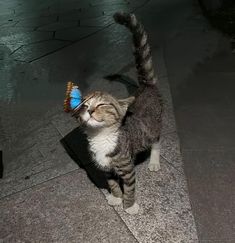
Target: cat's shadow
76, 144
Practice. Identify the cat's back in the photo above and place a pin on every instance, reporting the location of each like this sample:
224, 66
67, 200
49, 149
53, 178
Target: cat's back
142, 125
147, 103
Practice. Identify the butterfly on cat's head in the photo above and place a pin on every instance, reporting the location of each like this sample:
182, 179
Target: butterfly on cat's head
73, 98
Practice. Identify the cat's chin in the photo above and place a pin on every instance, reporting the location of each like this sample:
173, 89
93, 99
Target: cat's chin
92, 123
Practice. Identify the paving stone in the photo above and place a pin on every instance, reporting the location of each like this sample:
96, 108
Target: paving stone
110, 7
59, 26
37, 50
110, 10
19, 39
61, 210
34, 10
96, 3
44, 138
217, 131
7, 30
161, 73
80, 13
170, 150
211, 186
168, 121
168, 117
34, 168
214, 92
64, 123
36, 22
204, 110
224, 61
100, 21
74, 34
25, 126
24, 160
163, 85
135, 5
7, 22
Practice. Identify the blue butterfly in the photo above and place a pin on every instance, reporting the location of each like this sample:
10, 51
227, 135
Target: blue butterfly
75, 97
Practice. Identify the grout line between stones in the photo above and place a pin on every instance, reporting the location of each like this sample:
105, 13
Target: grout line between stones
25, 189
119, 216
168, 162
57, 129
73, 42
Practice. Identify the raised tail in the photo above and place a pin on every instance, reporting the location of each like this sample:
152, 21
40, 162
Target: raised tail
142, 52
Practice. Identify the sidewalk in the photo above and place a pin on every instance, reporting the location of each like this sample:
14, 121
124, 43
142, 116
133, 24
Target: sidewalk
201, 71
46, 195
46, 182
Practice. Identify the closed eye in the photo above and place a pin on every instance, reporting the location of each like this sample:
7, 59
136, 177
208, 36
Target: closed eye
85, 107
103, 104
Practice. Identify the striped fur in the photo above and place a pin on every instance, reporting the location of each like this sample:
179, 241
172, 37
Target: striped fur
142, 53
118, 130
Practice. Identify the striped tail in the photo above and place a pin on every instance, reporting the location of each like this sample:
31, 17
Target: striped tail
142, 52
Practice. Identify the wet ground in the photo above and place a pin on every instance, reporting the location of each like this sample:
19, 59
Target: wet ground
47, 192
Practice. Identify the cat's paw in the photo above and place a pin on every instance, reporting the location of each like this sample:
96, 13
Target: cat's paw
134, 209
154, 166
113, 201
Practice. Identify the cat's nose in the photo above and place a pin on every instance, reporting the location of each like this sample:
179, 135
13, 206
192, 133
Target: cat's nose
90, 111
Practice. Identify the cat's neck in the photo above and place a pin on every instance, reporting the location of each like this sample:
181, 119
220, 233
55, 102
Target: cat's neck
101, 143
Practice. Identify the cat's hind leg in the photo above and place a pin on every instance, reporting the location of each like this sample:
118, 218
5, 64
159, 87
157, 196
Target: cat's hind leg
154, 162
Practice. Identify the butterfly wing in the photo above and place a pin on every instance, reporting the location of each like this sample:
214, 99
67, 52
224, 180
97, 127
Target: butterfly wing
76, 97
67, 97
73, 97
74, 103
75, 93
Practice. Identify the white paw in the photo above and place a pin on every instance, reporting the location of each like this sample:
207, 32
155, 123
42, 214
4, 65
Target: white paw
113, 200
154, 166
133, 209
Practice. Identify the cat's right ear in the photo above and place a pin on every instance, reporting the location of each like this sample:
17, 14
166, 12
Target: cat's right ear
125, 103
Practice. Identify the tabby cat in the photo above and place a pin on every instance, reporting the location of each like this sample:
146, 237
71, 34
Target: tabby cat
119, 129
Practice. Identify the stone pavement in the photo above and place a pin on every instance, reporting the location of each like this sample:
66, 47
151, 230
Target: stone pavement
46, 196
45, 188
204, 108
202, 86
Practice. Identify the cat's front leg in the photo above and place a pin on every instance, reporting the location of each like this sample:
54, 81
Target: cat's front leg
126, 171
115, 197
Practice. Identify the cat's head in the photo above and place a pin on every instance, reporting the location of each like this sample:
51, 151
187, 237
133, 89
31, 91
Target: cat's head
103, 110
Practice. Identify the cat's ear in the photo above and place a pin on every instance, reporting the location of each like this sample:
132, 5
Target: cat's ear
125, 103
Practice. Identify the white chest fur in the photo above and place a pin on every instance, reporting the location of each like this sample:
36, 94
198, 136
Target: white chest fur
102, 144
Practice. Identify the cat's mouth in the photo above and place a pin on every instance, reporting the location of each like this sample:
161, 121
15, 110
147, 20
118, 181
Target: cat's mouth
92, 121
96, 119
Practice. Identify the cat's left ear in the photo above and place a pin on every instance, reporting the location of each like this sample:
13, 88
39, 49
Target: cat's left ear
125, 103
